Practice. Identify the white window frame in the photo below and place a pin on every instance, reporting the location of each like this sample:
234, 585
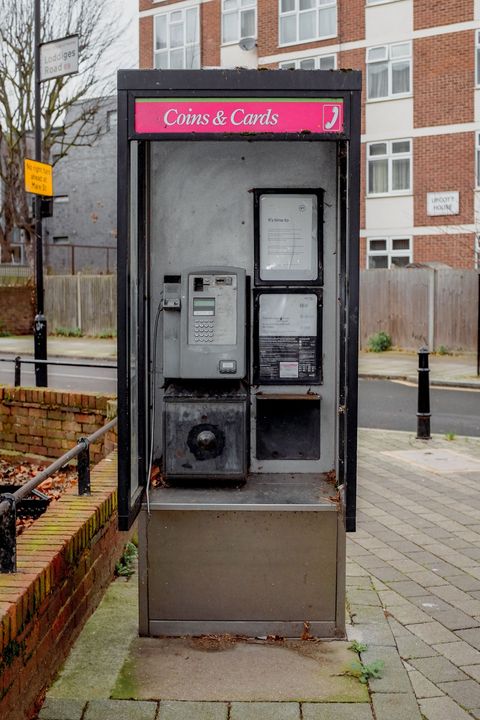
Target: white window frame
477, 58
166, 14
390, 62
389, 251
476, 251
238, 11
296, 12
379, 2
287, 64
390, 156
477, 160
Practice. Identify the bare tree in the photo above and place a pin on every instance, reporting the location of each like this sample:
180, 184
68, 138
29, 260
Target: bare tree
98, 28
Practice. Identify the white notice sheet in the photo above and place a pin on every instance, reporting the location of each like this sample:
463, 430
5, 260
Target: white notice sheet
288, 237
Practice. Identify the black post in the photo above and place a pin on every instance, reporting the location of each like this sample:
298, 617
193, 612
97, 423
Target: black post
83, 468
18, 369
423, 410
40, 324
478, 326
8, 536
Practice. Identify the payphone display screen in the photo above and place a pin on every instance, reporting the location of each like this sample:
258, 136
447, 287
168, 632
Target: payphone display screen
288, 336
204, 306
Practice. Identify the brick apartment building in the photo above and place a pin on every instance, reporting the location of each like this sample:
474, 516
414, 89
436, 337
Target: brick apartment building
421, 102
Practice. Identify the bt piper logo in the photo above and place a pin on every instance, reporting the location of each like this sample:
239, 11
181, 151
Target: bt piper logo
331, 117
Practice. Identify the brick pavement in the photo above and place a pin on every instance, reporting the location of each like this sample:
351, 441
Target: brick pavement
413, 595
417, 550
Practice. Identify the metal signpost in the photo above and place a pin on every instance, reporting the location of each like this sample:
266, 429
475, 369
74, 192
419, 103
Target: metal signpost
52, 59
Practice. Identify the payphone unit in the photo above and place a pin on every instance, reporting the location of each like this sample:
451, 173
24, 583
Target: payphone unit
204, 324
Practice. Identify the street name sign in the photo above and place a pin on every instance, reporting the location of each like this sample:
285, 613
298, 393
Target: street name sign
59, 57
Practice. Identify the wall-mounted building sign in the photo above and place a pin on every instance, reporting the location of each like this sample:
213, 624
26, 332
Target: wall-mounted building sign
59, 57
238, 115
443, 203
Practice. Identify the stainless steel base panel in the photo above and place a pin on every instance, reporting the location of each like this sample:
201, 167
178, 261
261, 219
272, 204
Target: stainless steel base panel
262, 568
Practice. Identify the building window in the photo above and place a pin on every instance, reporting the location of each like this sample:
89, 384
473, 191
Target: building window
177, 39
477, 57
477, 252
389, 167
111, 119
477, 160
322, 62
389, 252
389, 71
305, 20
238, 20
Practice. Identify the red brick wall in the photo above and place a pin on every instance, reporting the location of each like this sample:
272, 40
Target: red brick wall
363, 253
145, 45
65, 561
441, 12
45, 422
210, 19
16, 310
351, 20
443, 77
454, 250
441, 163
354, 60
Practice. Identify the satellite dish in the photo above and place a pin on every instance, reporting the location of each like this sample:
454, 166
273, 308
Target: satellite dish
247, 43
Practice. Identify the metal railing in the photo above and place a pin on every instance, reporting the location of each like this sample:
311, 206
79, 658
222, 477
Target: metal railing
18, 360
9, 501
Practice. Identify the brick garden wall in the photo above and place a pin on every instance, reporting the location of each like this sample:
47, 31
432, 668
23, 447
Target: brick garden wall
46, 422
16, 310
65, 562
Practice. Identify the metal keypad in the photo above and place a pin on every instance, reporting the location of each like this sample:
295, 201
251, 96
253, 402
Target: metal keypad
203, 330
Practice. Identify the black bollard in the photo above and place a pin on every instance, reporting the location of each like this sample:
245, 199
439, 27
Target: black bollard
423, 409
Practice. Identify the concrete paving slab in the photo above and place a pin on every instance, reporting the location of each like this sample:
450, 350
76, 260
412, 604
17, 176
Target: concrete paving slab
472, 636
422, 687
442, 708
472, 670
465, 692
460, 653
394, 676
432, 632
120, 710
437, 460
200, 669
395, 706
336, 711
409, 646
264, 711
62, 709
192, 711
438, 669
99, 653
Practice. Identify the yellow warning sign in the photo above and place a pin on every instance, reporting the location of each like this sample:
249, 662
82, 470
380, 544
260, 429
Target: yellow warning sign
38, 177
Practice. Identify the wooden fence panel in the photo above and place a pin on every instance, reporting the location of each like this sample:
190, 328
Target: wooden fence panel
395, 301
61, 301
456, 309
416, 306
98, 302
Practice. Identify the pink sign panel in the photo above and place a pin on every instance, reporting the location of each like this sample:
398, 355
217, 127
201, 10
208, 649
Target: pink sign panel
238, 115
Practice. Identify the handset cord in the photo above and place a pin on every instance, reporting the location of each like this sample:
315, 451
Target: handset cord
153, 391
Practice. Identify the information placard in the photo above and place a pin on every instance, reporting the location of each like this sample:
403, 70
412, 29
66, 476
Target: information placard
287, 226
288, 336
